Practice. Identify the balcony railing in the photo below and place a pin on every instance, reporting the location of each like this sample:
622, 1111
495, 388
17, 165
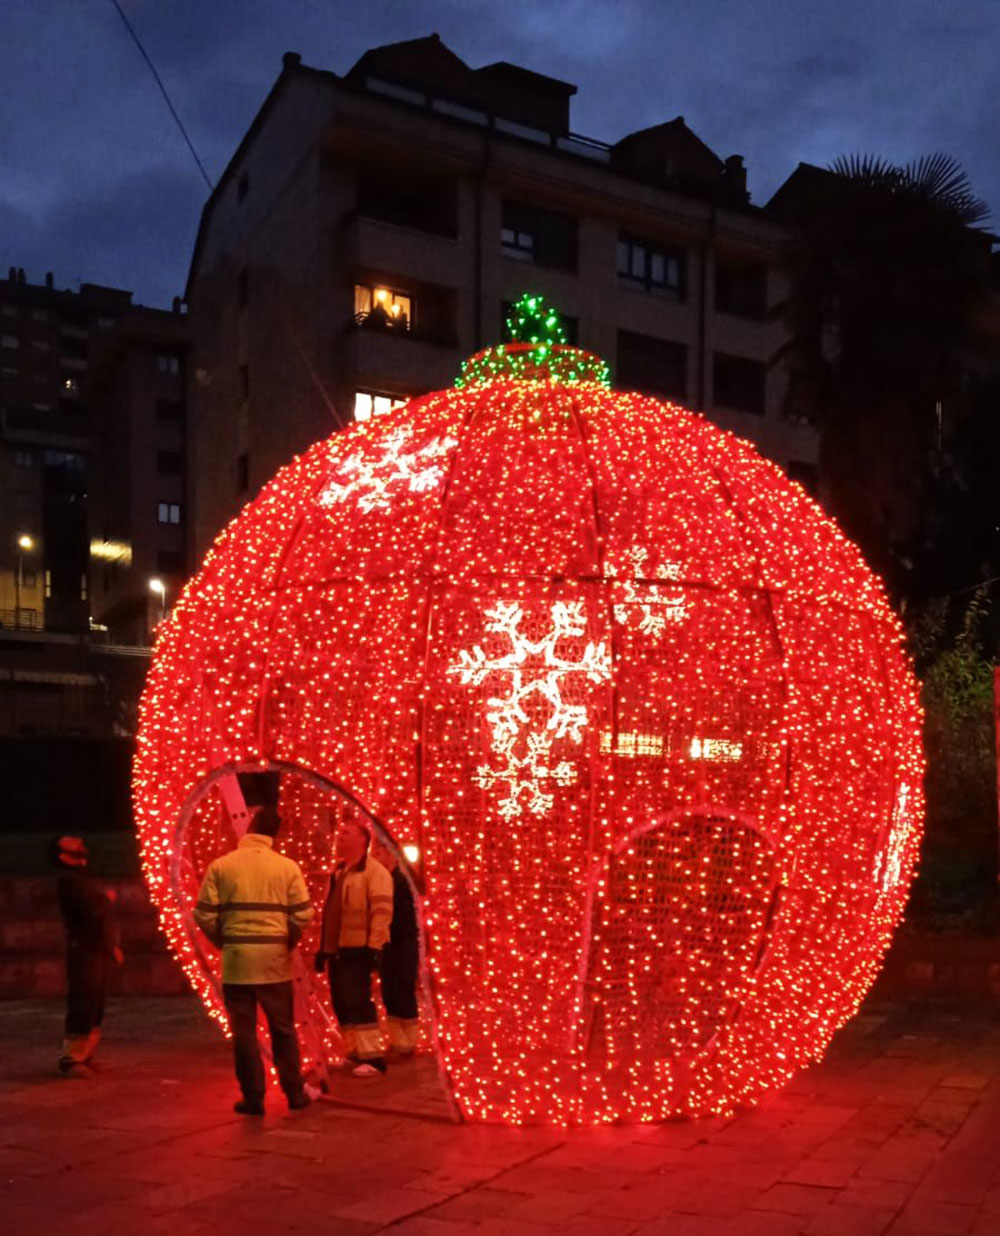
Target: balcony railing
381, 323
21, 619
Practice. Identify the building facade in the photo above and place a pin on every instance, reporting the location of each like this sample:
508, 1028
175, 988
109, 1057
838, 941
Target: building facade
371, 229
46, 341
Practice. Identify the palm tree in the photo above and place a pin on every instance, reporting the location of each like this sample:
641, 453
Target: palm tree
887, 271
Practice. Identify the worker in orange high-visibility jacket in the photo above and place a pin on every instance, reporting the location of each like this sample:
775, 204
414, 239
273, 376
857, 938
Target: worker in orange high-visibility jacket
253, 904
356, 920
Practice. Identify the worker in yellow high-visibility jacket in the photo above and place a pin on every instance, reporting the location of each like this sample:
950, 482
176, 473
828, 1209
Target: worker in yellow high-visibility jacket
254, 905
356, 920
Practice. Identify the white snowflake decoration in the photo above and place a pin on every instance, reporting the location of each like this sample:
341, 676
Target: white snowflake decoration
535, 667
378, 481
657, 607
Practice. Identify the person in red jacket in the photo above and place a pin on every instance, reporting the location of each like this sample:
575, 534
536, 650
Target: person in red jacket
92, 947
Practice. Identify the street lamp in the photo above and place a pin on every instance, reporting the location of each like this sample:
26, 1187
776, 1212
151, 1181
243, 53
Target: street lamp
25, 544
159, 588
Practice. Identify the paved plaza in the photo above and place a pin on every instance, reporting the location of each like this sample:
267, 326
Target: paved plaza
898, 1132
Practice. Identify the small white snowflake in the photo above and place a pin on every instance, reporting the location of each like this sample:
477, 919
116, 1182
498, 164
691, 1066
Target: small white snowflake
657, 606
376, 481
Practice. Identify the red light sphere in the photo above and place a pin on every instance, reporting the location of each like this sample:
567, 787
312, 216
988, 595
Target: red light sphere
640, 704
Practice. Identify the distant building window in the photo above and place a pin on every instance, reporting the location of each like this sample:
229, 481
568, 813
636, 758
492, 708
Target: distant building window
8, 311
48, 584
652, 268
168, 363
242, 473
9, 341
39, 315
9, 371
378, 306
168, 513
739, 383
807, 474
83, 587
242, 186
170, 463
39, 406
243, 375
29, 579
41, 345
370, 403
169, 410
24, 458
170, 561
741, 289
243, 289
532, 234
105, 323
64, 459
69, 388
646, 363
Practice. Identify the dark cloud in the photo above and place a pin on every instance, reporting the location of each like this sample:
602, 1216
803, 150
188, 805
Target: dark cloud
95, 180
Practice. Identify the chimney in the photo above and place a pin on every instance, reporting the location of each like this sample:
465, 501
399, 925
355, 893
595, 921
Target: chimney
176, 304
12, 275
48, 280
20, 274
734, 176
291, 60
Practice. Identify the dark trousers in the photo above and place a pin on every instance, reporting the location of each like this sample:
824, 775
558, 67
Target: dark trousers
241, 1001
87, 973
353, 1006
399, 981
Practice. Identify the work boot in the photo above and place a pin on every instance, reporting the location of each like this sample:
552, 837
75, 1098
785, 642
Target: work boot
296, 1102
74, 1068
249, 1107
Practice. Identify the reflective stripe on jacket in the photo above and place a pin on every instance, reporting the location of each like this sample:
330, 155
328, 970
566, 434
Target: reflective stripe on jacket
362, 917
253, 903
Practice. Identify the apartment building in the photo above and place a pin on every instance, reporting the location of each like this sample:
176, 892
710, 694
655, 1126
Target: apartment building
371, 228
46, 339
138, 496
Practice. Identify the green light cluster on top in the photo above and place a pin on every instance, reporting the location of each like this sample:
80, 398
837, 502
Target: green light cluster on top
537, 352
532, 321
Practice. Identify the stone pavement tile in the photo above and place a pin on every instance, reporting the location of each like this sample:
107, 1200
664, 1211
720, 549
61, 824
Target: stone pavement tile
382, 1205
794, 1199
552, 1206
877, 1194
958, 1177
830, 1169
680, 1225
476, 1205
934, 1219
762, 1223
966, 1080
719, 1198
840, 1219
523, 1227
422, 1225
599, 1224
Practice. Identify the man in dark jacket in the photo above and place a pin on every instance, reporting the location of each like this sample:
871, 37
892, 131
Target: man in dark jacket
92, 946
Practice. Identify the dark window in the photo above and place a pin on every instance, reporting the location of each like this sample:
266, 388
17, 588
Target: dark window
170, 561
242, 473
166, 363
741, 289
646, 363
243, 289
168, 512
169, 410
570, 324
170, 462
72, 348
242, 186
653, 268
244, 380
806, 474
29, 579
739, 383
24, 459
532, 234
426, 204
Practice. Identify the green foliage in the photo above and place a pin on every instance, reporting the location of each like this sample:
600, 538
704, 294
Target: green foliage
960, 848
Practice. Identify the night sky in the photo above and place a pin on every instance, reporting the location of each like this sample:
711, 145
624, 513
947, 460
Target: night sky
97, 184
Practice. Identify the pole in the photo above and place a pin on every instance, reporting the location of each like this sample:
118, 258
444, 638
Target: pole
18, 580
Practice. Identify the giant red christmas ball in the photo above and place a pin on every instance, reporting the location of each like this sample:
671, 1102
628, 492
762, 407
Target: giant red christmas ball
641, 706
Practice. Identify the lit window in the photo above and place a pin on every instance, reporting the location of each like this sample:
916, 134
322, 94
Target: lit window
375, 305
369, 403
166, 363
168, 513
48, 583
517, 244
69, 388
654, 269
83, 587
